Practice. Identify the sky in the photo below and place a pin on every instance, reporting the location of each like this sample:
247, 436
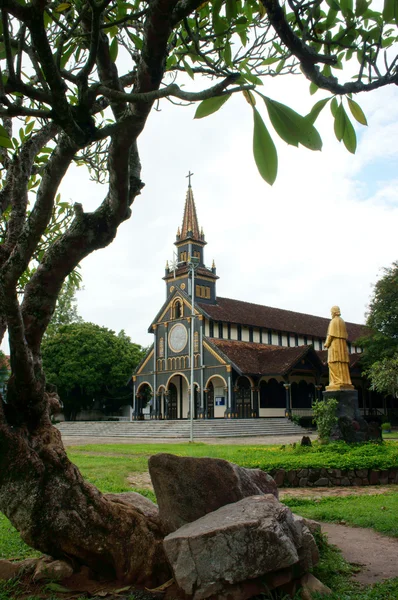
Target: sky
319, 236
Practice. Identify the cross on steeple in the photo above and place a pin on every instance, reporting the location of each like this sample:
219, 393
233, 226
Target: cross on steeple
189, 178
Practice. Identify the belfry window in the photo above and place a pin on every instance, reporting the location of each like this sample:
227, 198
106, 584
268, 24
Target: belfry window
239, 332
161, 347
211, 329
177, 310
220, 330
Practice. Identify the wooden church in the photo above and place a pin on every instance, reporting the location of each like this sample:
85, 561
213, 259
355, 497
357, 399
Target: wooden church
248, 360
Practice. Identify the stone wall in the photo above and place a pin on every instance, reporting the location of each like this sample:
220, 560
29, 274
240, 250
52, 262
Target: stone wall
333, 477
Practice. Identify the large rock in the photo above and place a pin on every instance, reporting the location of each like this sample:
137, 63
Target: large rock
188, 488
142, 504
53, 570
239, 542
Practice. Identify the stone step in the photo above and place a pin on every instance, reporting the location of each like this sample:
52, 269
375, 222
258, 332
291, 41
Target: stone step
181, 429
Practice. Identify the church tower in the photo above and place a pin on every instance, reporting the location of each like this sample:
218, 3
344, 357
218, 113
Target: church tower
190, 242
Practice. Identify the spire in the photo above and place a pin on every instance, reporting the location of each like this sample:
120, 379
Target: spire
190, 226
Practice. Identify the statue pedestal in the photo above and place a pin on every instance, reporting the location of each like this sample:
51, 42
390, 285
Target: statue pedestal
351, 426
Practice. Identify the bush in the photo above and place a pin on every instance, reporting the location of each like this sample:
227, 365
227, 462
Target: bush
335, 455
324, 412
386, 427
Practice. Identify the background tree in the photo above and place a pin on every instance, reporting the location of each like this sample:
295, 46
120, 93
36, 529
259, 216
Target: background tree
66, 308
382, 319
383, 375
78, 81
88, 363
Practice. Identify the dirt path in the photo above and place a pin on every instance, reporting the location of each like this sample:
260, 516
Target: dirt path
376, 554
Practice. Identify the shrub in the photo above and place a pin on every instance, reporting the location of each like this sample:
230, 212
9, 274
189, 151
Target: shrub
324, 412
386, 427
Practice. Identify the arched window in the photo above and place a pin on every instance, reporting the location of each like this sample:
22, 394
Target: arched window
161, 347
196, 342
177, 309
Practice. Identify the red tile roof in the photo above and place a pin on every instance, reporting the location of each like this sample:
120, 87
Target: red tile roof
355, 357
259, 359
257, 315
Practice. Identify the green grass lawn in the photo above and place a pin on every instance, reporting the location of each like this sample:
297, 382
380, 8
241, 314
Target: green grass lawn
390, 436
375, 512
337, 455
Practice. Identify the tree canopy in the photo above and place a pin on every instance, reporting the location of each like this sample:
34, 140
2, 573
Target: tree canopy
89, 363
382, 319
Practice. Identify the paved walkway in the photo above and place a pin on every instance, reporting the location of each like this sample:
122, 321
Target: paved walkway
374, 553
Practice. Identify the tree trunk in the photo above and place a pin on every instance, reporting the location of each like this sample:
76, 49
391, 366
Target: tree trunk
57, 512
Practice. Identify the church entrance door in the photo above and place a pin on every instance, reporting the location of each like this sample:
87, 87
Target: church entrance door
243, 399
210, 401
172, 413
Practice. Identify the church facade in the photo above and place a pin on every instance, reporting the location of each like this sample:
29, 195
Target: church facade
248, 360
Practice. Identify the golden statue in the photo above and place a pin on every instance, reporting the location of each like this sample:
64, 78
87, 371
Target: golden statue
338, 360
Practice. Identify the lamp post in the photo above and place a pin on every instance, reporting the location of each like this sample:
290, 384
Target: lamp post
288, 411
193, 263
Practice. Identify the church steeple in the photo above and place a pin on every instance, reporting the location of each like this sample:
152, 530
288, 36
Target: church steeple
190, 242
190, 226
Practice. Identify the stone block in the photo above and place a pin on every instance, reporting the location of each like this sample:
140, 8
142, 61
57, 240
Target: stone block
362, 473
374, 477
303, 482
322, 482
357, 481
291, 476
345, 481
279, 477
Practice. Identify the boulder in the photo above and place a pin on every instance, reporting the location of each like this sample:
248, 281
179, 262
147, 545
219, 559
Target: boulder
188, 488
237, 543
54, 570
311, 587
142, 504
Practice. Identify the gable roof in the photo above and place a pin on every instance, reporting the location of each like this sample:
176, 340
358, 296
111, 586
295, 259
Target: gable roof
246, 313
259, 359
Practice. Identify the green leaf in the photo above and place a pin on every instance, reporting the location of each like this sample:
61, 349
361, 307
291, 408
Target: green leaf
313, 88
113, 49
357, 112
264, 150
56, 587
3, 132
210, 106
293, 128
63, 6
252, 78
339, 122
333, 4
389, 10
66, 55
227, 54
271, 60
5, 142
349, 138
188, 69
316, 109
361, 7
334, 107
